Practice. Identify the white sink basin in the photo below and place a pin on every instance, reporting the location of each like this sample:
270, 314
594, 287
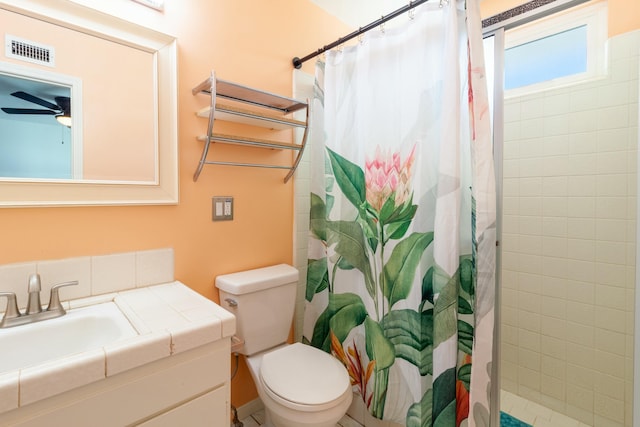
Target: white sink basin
79, 330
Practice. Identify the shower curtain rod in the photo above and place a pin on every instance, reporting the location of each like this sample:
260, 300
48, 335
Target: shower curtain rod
297, 62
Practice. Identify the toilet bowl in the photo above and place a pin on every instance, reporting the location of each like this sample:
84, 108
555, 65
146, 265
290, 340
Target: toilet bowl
300, 385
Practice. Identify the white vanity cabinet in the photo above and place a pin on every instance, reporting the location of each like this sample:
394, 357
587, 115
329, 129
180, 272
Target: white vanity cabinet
208, 409
192, 387
175, 373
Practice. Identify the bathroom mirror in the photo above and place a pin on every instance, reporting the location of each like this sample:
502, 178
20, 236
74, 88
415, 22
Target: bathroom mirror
122, 83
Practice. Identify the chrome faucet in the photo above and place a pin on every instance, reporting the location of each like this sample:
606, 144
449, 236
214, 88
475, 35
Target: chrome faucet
33, 312
33, 305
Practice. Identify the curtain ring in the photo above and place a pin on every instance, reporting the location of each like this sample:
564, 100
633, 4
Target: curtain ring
382, 25
412, 13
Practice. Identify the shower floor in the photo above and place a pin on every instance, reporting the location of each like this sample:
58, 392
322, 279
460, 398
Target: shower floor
534, 413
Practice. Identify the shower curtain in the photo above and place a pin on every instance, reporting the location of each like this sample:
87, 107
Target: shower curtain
400, 282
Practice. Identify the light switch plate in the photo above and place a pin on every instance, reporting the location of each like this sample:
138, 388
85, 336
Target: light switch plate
222, 207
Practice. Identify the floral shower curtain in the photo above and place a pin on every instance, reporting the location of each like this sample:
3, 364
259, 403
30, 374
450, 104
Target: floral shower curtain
400, 281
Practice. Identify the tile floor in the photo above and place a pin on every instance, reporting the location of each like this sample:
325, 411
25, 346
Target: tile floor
527, 411
256, 420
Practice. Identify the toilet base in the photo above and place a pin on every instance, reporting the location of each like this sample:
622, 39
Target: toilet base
297, 419
277, 415
267, 419
287, 423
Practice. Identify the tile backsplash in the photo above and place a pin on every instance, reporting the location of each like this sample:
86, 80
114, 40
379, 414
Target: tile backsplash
96, 275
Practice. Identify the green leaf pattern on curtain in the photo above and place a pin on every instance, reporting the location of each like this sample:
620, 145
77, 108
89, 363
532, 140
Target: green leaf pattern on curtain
401, 333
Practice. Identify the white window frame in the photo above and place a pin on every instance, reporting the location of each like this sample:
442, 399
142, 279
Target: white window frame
593, 16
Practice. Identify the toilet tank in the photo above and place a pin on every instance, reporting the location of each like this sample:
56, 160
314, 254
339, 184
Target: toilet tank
263, 301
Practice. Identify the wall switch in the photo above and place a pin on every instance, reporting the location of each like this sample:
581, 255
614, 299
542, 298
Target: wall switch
222, 208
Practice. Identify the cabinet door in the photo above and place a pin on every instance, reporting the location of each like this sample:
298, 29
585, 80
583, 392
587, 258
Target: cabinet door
208, 410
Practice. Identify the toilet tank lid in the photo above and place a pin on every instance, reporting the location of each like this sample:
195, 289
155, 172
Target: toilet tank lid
244, 282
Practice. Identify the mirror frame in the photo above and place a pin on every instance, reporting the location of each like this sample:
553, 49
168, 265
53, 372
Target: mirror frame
164, 190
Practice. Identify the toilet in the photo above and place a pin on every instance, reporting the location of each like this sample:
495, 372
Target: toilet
299, 385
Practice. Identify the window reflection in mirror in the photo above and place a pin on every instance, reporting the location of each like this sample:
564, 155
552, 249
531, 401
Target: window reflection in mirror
35, 141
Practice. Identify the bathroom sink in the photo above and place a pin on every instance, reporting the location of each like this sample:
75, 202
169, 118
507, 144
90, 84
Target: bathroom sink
81, 329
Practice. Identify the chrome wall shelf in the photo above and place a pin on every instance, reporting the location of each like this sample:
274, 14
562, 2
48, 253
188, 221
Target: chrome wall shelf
267, 110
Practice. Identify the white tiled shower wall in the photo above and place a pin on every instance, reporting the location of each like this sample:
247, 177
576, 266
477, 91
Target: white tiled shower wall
302, 89
569, 246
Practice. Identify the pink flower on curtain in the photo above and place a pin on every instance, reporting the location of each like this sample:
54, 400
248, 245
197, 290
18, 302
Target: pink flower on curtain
386, 175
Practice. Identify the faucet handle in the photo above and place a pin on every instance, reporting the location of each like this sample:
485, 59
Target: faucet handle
12, 305
54, 299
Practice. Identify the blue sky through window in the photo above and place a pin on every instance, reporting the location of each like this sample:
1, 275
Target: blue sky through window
558, 55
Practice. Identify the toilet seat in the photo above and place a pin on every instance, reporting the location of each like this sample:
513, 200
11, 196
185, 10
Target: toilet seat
304, 378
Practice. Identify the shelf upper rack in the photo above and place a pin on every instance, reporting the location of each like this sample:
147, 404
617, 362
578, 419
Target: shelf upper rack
245, 94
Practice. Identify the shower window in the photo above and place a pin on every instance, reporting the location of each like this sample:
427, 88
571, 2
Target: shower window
556, 56
559, 50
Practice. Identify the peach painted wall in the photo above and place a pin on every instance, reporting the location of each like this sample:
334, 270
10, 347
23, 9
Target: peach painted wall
250, 43
624, 15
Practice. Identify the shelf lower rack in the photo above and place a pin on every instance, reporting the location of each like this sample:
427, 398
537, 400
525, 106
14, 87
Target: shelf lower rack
254, 142
231, 113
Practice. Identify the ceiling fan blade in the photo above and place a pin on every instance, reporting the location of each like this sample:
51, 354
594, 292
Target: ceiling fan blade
28, 111
64, 103
30, 98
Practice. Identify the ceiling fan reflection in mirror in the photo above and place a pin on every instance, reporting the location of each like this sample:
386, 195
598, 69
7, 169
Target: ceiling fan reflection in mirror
61, 109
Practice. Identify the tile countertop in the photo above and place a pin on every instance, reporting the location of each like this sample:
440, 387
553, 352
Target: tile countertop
170, 318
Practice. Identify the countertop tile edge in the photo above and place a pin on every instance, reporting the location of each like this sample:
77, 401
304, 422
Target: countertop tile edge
136, 351
195, 334
49, 379
9, 391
